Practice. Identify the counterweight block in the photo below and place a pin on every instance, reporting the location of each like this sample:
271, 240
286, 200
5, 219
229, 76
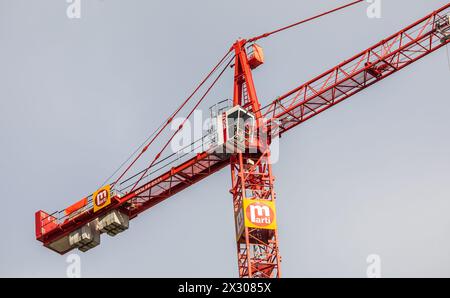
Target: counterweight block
85, 238
113, 223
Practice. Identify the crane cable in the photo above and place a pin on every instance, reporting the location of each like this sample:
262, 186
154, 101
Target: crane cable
132, 154
448, 56
304, 21
157, 156
163, 125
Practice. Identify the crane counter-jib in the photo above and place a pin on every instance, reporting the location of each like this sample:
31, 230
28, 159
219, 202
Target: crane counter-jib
150, 193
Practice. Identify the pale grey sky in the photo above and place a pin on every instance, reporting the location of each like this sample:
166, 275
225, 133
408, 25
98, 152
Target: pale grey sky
370, 176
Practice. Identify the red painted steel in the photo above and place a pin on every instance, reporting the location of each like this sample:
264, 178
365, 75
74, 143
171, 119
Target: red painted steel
257, 248
291, 109
251, 177
359, 72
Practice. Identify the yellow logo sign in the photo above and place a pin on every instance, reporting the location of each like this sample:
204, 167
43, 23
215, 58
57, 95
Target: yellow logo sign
260, 214
102, 198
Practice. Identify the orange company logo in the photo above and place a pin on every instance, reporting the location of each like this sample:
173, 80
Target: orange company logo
102, 198
260, 214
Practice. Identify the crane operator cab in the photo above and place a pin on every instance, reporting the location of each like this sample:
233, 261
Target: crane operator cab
443, 28
233, 131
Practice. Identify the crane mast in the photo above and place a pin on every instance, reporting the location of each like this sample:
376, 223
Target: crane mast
252, 182
109, 210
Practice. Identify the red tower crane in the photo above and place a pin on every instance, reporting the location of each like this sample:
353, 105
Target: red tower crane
243, 136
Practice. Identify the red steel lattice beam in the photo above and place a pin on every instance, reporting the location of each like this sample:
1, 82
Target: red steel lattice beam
359, 72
